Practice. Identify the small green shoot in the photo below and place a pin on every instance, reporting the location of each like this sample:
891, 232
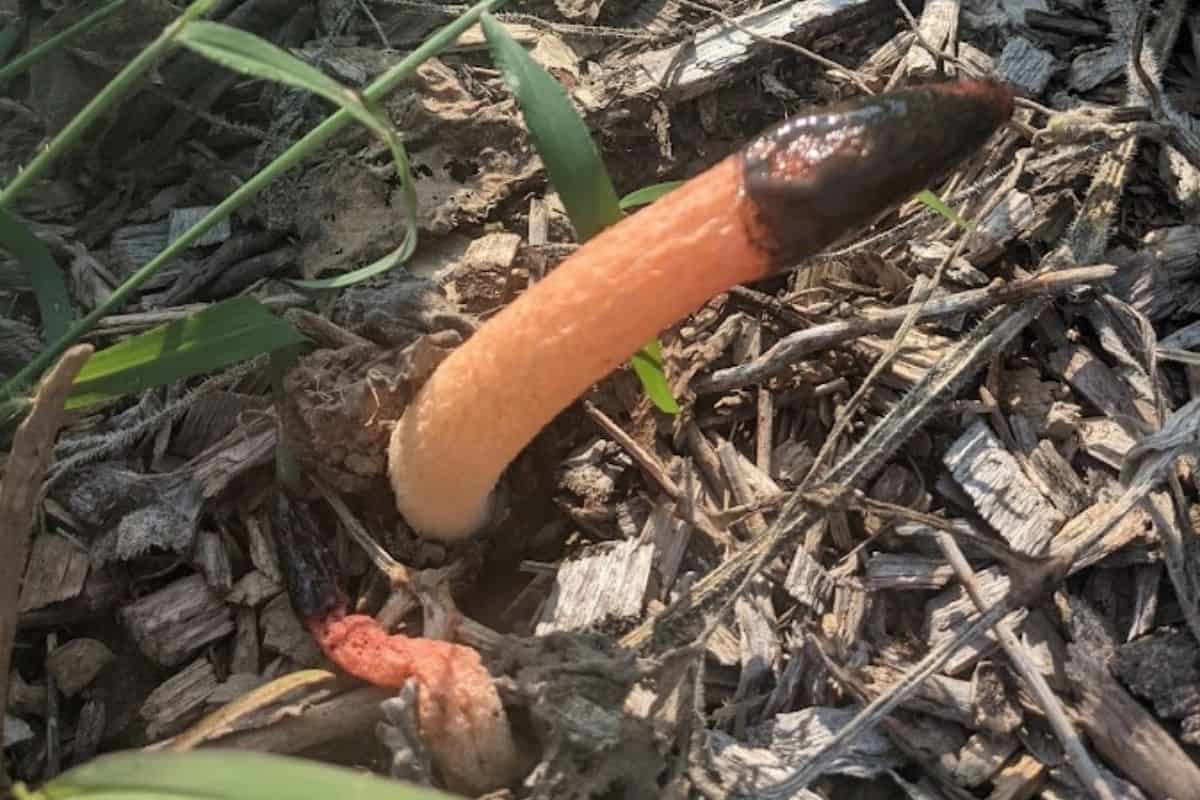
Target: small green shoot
49, 286
397, 256
220, 335
574, 167
218, 775
648, 194
933, 201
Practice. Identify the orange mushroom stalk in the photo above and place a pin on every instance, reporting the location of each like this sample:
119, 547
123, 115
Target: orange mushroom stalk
786, 195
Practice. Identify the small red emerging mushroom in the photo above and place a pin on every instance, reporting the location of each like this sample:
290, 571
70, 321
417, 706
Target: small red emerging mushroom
789, 193
462, 721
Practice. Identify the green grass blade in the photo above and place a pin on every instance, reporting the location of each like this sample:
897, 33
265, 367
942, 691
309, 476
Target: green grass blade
648, 364
574, 167
12, 391
251, 55
220, 775
933, 201
397, 256
560, 136
49, 287
220, 335
648, 194
28, 59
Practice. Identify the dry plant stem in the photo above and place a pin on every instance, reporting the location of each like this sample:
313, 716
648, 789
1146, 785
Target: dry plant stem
658, 473
32, 449
352, 713
846, 413
886, 703
795, 346
787, 195
1077, 754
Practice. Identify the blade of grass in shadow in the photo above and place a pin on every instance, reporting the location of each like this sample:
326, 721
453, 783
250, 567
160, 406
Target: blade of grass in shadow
28, 59
252, 55
54, 304
397, 256
648, 194
933, 201
220, 335
219, 775
20, 383
572, 163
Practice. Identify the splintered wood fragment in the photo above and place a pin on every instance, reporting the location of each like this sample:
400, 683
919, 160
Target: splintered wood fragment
952, 610
939, 30
716, 55
845, 622
669, 536
939, 696
170, 625
982, 756
20, 494
808, 582
606, 587
56, 571
1125, 733
1105, 440
76, 663
907, 571
1128, 528
789, 740
1026, 65
181, 219
1058, 480
179, 699
1152, 275
1021, 778
283, 633
759, 643
1002, 494
1094, 381
1011, 217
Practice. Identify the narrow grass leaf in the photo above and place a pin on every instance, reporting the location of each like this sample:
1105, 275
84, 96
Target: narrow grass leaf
252, 55
46, 279
560, 136
397, 256
220, 775
44, 48
648, 194
648, 364
220, 335
933, 201
573, 165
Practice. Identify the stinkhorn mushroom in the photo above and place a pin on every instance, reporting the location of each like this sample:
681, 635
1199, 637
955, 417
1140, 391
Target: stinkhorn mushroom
789, 193
462, 721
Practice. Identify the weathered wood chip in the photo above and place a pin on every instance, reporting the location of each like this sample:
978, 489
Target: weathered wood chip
1002, 493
